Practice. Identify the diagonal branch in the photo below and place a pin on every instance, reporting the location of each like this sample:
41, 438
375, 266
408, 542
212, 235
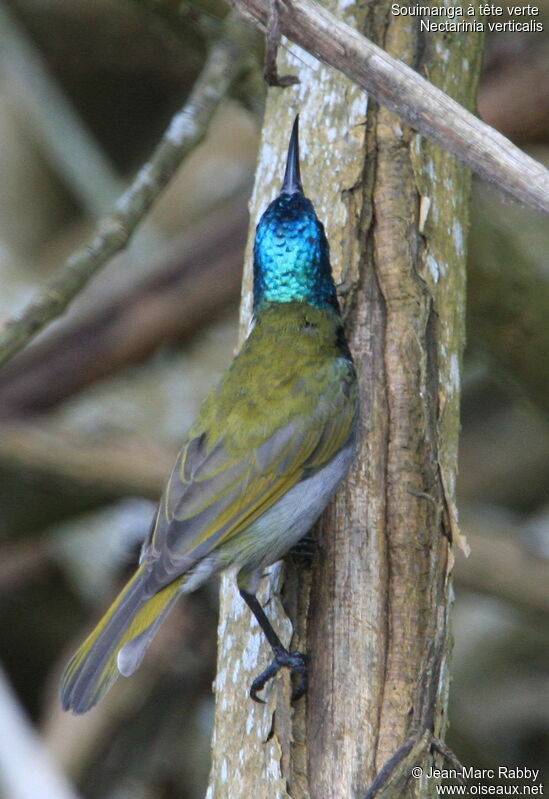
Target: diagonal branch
395, 85
186, 130
189, 282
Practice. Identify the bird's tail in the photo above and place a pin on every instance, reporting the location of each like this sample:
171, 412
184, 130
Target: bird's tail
117, 644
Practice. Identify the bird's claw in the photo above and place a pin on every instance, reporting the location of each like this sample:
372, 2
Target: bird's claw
296, 661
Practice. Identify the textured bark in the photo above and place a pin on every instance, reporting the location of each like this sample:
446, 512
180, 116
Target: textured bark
373, 610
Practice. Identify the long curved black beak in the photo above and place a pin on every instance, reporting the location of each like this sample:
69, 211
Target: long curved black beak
292, 178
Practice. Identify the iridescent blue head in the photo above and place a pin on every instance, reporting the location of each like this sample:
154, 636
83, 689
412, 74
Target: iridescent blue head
291, 252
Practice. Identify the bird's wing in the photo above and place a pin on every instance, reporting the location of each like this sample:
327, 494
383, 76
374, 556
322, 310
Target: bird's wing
214, 494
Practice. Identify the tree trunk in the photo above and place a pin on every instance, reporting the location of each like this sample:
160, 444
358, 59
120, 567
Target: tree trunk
373, 609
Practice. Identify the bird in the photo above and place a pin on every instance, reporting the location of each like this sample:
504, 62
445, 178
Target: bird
266, 453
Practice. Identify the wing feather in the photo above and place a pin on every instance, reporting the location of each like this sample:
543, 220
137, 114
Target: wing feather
215, 492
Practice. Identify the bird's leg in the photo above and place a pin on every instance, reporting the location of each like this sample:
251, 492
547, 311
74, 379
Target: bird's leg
282, 657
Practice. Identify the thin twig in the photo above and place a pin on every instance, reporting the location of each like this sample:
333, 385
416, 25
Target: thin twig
399, 765
398, 768
188, 284
383, 776
186, 130
423, 106
272, 42
439, 746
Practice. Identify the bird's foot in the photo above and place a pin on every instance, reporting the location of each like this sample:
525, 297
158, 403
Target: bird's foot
295, 661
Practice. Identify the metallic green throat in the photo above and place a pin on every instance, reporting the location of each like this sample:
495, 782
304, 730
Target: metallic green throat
292, 256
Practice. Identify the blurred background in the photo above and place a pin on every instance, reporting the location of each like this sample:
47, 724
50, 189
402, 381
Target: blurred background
91, 415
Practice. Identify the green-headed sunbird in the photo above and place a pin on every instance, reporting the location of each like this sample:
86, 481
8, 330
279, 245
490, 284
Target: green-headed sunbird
259, 465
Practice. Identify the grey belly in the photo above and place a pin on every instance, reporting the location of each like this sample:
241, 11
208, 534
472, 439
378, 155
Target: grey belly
289, 519
277, 530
